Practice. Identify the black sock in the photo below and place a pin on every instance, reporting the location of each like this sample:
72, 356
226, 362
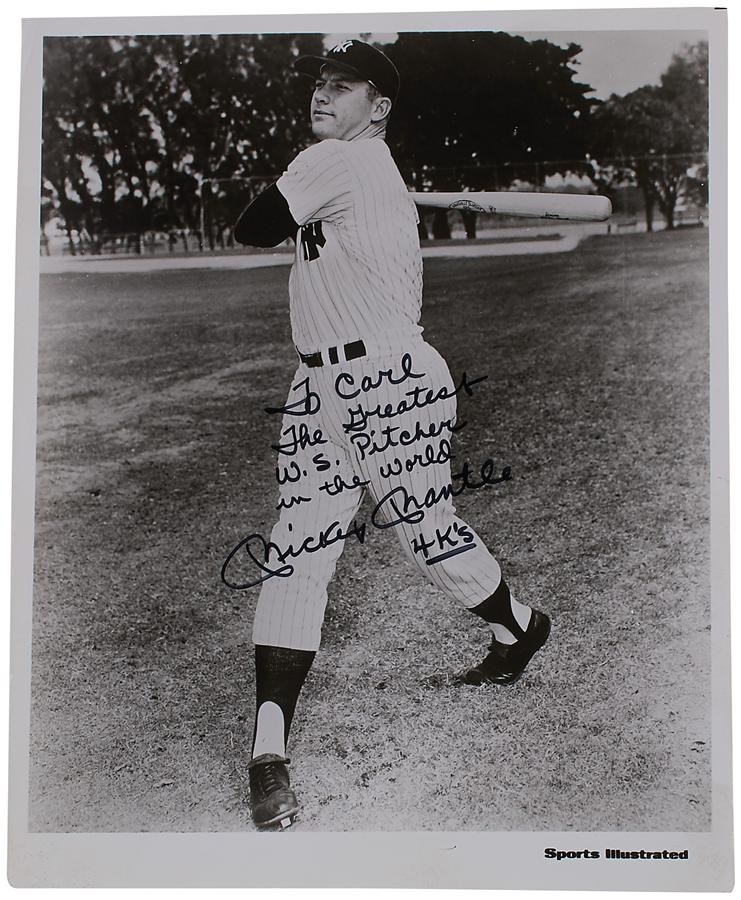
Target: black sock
497, 610
280, 673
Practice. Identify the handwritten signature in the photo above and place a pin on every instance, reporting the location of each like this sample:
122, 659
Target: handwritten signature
396, 507
399, 501
311, 544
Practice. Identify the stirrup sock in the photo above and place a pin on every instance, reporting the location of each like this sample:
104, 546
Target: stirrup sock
507, 618
280, 673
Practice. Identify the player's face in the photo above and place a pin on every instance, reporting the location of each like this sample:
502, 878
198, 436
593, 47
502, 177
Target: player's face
340, 107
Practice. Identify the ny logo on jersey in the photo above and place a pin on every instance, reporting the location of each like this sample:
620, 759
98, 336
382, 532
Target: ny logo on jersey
343, 47
312, 238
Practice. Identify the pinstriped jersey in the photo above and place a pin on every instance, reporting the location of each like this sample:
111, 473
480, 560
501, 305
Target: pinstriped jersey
358, 267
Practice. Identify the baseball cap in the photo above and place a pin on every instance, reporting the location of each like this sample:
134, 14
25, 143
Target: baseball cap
360, 59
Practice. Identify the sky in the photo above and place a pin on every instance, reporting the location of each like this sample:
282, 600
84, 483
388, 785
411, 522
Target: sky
618, 62
612, 62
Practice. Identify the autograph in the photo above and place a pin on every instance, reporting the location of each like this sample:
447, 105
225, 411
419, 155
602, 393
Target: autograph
397, 501
326, 538
396, 507
400, 500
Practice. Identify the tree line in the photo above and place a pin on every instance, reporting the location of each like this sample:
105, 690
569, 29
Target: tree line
176, 133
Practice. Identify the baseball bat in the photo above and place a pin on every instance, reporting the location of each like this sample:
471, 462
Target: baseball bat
574, 207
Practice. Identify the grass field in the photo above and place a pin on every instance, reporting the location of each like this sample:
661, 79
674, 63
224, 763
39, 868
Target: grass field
154, 459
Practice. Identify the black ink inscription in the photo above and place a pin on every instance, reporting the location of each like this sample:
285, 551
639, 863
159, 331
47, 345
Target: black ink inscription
366, 444
457, 538
321, 463
338, 484
266, 549
288, 474
420, 398
448, 553
367, 383
304, 406
299, 439
430, 457
399, 505
293, 501
401, 501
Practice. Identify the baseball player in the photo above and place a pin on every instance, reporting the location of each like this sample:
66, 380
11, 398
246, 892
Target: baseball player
372, 408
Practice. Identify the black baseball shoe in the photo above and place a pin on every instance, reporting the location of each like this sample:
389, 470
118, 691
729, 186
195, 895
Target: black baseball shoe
273, 802
506, 662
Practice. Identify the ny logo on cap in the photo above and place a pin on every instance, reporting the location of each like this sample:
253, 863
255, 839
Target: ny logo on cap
343, 47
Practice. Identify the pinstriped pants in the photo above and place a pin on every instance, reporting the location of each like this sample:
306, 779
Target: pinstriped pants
359, 431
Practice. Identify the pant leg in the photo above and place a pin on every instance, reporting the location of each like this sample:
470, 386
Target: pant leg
313, 513
446, 550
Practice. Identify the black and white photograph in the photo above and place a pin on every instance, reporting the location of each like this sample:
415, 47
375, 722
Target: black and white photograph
370, 470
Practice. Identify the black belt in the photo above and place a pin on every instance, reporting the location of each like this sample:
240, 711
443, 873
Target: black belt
352, 351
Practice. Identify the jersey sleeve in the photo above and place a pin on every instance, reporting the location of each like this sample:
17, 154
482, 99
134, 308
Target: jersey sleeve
317, 184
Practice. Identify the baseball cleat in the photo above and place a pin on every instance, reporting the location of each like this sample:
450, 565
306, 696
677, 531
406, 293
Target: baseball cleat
506, 662
272, 800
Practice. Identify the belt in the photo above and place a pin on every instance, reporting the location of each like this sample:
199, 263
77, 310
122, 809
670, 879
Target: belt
350, 351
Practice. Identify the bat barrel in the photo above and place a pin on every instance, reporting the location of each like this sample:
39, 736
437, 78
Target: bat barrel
571, 207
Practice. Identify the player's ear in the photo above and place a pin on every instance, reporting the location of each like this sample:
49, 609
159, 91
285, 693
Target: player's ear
381, 109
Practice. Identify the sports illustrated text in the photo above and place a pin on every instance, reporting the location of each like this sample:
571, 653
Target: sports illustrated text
391, 448
611, 853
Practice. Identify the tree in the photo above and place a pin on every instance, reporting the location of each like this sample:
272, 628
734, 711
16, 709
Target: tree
656, 132
477, 109
97, 137
137, 130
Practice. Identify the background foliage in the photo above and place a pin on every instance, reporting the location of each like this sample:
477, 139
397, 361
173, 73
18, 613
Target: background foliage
175, 133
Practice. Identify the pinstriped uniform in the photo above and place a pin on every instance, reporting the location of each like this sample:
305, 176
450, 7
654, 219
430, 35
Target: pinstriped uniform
367, 280
359, 277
